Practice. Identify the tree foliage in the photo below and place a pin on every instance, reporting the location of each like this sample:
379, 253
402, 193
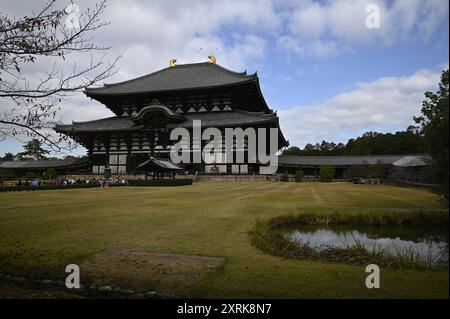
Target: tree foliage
50, 173
434, 125
7, 157
33, 150
7, 174
370, 143
293, 150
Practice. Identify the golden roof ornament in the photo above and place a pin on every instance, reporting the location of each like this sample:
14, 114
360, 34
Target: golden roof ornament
212, 59
172, 63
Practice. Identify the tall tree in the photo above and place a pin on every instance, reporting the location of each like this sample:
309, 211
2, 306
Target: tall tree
370, 143
33, 150
28, 107
8, 157
293, 150
434, 124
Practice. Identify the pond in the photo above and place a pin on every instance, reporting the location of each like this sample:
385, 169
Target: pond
429, 245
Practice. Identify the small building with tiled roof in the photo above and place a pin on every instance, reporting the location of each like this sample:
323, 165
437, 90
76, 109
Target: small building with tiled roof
70, 165
349, 166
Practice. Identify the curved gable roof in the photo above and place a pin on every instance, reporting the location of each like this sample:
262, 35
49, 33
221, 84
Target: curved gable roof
179, 77
156, 107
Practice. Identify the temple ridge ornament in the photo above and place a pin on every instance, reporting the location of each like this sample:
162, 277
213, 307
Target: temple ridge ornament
172, 63
212, 59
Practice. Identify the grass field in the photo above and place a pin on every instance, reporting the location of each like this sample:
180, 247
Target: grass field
151, 239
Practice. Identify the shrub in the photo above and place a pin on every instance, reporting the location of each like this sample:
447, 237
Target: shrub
50, 173
327, 173
161, 182
284, 177
299, 176
7, 175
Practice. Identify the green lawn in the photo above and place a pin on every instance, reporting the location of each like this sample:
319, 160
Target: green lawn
41, 232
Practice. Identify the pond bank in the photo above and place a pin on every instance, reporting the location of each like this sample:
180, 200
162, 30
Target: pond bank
277, 236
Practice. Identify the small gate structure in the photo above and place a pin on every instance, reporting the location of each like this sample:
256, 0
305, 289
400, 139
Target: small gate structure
158, 168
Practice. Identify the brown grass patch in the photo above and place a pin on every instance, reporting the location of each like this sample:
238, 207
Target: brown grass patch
146, 271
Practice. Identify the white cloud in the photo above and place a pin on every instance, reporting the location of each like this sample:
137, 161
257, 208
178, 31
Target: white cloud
80, 108
323, 29
309, 21
240, 33
152, 32
188, 31
386, 104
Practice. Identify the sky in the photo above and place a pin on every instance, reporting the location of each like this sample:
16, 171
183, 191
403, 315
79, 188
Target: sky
327, 74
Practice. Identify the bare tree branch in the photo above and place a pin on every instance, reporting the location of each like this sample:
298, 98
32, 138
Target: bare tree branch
28, 107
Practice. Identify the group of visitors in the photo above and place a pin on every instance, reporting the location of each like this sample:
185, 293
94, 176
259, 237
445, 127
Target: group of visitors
72, 181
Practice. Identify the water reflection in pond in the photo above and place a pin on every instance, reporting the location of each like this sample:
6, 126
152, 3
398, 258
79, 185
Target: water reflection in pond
428, 245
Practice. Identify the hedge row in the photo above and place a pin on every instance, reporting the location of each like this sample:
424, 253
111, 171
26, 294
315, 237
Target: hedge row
50, 187
153, 182
161, 182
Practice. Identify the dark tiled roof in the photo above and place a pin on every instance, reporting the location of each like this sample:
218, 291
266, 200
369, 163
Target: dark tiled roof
211, 119
339, 160
43, 164
183, 76
106, 124
161, 163
236, 117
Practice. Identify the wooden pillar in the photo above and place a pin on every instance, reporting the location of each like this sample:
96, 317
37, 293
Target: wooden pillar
106, 143
128, 143
150, 135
